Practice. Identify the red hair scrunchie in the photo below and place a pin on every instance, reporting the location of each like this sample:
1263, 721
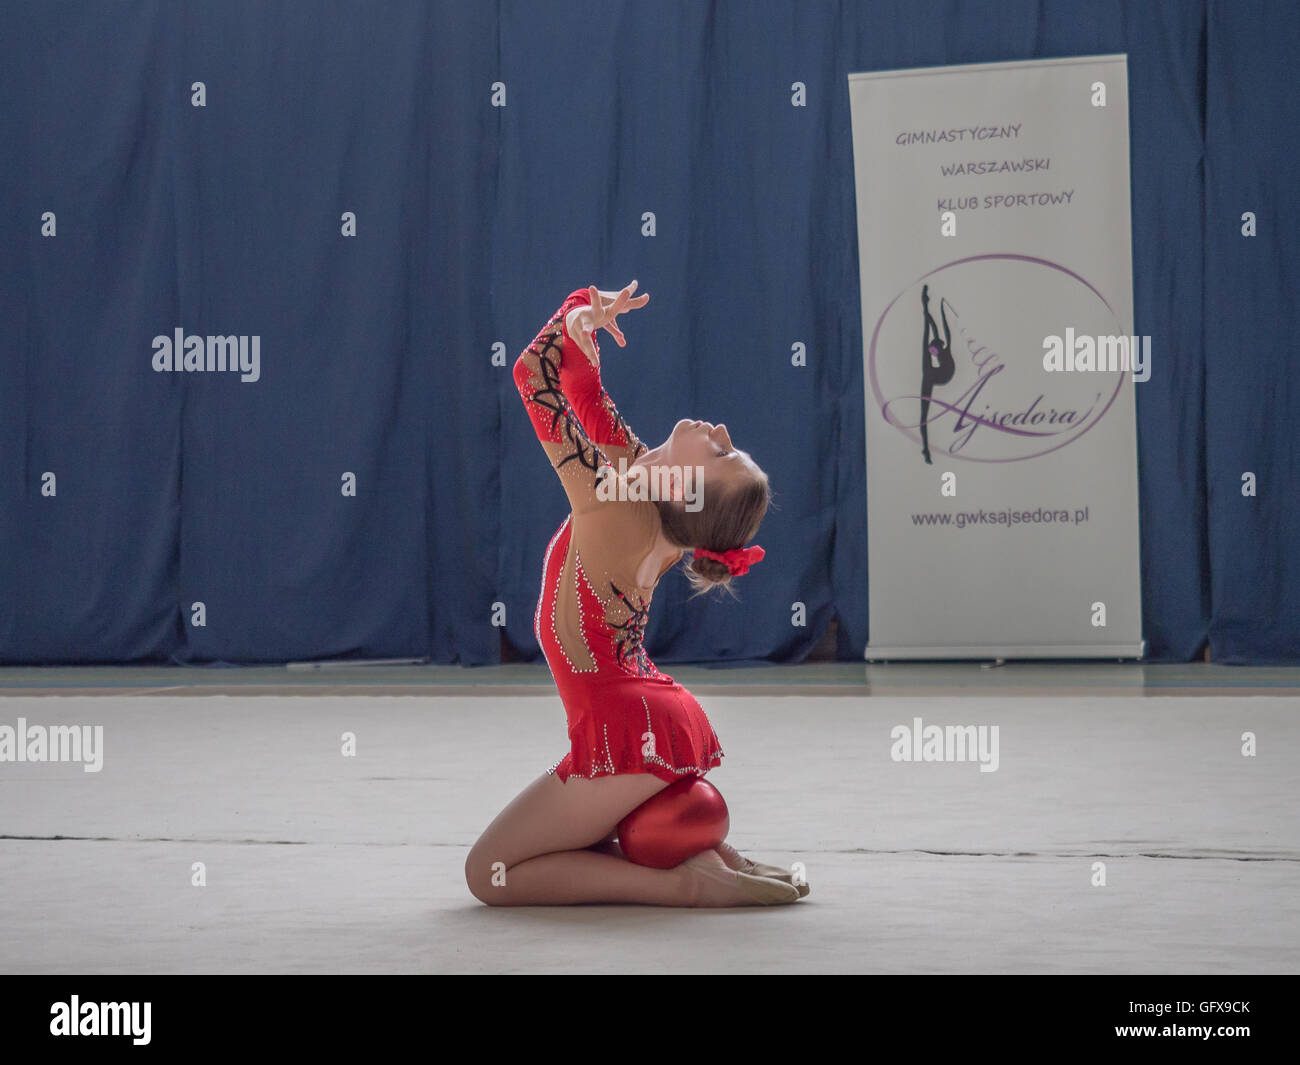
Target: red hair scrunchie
737, 560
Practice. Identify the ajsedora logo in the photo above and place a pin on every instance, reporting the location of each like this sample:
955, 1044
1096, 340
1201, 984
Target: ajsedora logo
957, 366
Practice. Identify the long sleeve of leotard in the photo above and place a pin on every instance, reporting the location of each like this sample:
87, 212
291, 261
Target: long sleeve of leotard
578, 425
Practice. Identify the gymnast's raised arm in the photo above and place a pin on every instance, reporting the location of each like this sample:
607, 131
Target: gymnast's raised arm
558, 376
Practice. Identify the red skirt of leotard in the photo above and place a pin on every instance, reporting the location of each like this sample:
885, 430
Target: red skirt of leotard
657, 729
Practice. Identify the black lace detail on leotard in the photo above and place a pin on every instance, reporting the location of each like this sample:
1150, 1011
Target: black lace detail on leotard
629, 635
551, 397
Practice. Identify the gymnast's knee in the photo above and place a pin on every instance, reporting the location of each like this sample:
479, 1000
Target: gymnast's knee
486, 879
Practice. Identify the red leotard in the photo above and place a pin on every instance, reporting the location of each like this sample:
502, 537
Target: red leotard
624, 716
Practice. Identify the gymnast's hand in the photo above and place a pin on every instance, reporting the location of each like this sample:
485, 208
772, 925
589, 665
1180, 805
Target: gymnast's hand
582, 322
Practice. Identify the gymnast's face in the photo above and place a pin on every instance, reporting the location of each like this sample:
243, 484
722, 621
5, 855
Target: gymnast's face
708, 446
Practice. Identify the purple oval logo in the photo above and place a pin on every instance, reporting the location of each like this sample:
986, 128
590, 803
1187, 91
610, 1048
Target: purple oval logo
956, 361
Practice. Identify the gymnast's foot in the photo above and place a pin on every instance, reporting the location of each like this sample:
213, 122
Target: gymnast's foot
737, 861
710, 883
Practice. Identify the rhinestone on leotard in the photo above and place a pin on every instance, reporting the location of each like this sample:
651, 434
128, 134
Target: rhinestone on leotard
541, 598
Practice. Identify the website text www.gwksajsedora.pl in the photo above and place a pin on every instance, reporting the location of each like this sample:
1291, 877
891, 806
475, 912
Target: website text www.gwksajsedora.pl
963, 519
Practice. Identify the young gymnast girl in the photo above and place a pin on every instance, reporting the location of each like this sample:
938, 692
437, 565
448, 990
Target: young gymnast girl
632, 730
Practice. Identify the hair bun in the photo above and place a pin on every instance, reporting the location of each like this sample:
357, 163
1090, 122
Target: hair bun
711, 570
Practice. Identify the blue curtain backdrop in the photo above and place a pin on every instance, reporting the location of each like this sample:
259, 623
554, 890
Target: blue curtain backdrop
128, 495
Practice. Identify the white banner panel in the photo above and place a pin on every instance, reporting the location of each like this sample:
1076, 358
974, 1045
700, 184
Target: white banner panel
999, 359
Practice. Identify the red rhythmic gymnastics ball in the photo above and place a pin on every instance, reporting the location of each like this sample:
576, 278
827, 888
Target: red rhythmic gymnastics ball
677, 823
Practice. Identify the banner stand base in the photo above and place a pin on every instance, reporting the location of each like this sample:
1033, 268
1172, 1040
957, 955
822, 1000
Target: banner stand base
1006, 651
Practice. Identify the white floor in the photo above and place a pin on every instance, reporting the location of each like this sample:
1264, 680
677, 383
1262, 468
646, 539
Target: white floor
320, 863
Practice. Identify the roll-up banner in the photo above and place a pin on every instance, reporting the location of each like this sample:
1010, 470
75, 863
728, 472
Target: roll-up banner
1000, 360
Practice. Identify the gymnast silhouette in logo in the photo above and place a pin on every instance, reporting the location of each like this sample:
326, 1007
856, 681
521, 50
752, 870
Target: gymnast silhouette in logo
937, 366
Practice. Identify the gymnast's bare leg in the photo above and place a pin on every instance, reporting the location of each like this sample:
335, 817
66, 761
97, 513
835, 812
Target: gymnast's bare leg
540, 851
